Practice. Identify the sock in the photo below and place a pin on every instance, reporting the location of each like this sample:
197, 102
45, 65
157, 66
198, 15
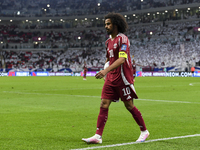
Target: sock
138, 118
101, 121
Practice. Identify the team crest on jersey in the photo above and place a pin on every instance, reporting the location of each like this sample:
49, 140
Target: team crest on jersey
124, 47
115, 46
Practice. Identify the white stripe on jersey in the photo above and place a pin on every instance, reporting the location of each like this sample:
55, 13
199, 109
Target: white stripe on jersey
125, 80
132, 87
123, 76
127, 62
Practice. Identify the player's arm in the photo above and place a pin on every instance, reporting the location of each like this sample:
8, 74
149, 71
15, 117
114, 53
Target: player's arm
114, 65
122, 57
117, 63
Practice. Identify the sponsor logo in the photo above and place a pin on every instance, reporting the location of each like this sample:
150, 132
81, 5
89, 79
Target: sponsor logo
3, 74
115, 46
178, 74
129, 97
146, 74
124, 47
196, 74
22, 73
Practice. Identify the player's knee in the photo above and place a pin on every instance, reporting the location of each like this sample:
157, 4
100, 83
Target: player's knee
104, 104
129, 106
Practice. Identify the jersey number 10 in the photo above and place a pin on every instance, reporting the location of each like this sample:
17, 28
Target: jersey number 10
126, 91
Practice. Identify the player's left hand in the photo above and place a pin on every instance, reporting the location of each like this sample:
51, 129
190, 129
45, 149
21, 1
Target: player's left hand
100, 74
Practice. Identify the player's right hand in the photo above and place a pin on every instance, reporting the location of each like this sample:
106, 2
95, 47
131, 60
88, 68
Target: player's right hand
100, 74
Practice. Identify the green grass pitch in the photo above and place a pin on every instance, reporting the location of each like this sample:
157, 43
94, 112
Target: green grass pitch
54, 113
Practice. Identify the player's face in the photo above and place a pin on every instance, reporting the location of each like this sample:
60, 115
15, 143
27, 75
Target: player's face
108, 26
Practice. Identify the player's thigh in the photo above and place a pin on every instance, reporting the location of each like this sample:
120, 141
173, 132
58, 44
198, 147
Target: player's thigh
110, 93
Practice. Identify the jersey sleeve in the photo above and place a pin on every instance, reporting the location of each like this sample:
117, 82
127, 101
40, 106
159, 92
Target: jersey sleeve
123, 45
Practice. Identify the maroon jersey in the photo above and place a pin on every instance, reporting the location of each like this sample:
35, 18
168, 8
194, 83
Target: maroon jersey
85, 68
122, 75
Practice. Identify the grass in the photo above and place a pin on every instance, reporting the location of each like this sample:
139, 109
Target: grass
54, 113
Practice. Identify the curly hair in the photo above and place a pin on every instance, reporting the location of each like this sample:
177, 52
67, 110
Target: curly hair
118, 20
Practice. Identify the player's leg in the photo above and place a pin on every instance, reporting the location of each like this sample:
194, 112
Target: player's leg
101, 121
127, 94
84, 76
108, 94
135, 113
139, 119
103, 116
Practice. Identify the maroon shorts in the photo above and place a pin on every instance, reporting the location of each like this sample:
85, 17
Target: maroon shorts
126, 93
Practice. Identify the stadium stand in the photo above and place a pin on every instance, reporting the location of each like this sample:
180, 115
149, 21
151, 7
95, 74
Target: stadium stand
161, 36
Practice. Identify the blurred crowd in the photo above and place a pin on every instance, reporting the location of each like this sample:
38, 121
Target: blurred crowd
31, 8
156, 45
53, 60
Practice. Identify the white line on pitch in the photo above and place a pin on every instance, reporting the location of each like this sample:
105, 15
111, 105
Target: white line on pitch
131, 143
166, 101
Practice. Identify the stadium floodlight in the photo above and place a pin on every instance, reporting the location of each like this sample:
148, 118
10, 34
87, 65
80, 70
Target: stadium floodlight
97, 18
50, 20
11, 20
176, 9
158, 13
48, 5
188, 8
133, 14
1, 42
98, 4
79, 37
0, 19
151, 33
39, 39
85, 18
45, 9
38, 20
75, 19
61, 19
199, 29
148, 14
166, 11
125, 16
26, 20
